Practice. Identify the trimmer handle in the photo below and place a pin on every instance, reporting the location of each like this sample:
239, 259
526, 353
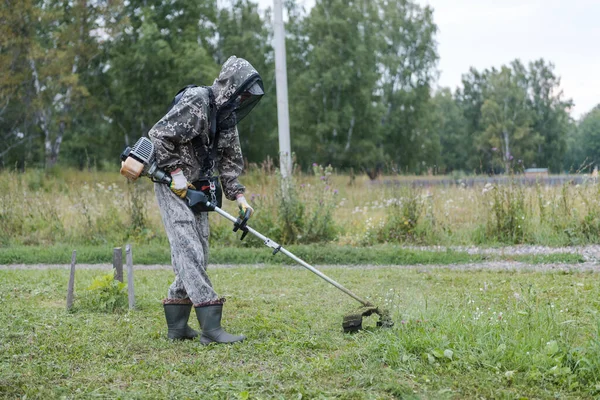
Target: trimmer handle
240, 224
196, 197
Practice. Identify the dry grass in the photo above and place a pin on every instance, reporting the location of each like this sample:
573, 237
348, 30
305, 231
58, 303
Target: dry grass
101, 207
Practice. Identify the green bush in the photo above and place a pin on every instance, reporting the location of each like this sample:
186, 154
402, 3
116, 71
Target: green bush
105, 294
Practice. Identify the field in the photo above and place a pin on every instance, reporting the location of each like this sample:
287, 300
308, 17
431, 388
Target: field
457, 335
99, 208
478, 334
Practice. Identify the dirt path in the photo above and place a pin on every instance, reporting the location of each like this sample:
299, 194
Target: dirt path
587, 266
589, 252
591, 255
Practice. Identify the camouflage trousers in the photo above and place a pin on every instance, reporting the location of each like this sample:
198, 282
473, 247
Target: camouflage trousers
188, 237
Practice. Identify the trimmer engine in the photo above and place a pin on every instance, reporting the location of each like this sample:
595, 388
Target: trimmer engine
139, 160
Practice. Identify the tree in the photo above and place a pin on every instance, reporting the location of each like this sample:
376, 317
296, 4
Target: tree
56, 43
551, 114
16, 36
515, 112
451, 127
364, 90
337, 121
159, 48
407, 58
61, 55
243, 32
507, 120
584, 140
470, 99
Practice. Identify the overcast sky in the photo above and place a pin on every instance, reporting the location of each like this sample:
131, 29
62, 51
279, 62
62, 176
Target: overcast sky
486, 33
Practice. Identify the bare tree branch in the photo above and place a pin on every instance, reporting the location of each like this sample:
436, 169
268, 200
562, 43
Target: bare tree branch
13, 146
3, 109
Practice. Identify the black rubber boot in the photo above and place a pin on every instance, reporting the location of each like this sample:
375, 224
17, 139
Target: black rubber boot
209, 317
177, 320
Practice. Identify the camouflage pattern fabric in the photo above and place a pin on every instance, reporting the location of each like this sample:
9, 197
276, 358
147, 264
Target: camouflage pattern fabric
188, 237
190, 118
172, 137
234, 74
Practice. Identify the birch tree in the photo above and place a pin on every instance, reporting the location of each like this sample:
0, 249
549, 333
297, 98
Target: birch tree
508, 121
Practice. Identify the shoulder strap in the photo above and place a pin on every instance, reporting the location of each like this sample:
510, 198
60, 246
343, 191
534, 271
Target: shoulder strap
179, 95
209, 162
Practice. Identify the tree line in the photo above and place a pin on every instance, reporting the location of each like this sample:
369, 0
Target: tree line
83, 78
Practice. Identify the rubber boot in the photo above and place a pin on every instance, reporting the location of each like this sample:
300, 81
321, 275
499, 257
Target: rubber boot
177, 321
209, 317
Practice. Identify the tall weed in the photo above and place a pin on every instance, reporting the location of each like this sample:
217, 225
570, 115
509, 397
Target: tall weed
298, 210
507, 214
89, 207
306, 211
401, 220
104, 294
321, 201
590, 225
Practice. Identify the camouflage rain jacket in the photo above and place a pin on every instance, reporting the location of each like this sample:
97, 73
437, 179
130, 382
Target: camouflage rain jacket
190, 118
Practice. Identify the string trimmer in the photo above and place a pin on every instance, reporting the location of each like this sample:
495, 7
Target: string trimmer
140, 161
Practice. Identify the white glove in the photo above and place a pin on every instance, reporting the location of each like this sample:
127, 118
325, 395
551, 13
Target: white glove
243, 205
179, 184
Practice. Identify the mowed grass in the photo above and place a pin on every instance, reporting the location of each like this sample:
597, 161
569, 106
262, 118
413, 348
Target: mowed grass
314, 254
457, 335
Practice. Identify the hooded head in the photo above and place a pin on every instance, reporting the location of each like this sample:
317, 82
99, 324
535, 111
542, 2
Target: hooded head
237, 90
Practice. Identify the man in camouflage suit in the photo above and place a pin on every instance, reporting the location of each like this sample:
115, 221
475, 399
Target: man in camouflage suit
183, 139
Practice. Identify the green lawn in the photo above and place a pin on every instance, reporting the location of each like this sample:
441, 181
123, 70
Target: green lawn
457, 335
314, 254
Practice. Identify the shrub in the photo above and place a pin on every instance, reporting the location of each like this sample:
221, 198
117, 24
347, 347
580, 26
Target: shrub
105, 294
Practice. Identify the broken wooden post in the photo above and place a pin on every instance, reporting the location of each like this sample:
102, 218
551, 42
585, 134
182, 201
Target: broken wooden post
71, 286
118, 263
130, 289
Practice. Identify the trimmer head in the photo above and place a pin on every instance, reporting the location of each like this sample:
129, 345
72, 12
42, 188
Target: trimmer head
353, 322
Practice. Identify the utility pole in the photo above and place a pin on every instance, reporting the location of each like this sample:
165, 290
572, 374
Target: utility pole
283, 117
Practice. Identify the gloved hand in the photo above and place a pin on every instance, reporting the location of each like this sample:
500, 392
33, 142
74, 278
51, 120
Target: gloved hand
179, 184
243, 205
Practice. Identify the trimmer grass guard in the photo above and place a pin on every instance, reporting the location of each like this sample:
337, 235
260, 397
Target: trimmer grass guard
140, 160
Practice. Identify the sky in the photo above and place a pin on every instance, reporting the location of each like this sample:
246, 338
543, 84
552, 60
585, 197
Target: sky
490, 33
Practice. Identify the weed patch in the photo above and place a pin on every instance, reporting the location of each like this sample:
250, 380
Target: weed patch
105, 294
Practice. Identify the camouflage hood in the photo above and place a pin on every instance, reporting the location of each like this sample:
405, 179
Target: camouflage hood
237, 90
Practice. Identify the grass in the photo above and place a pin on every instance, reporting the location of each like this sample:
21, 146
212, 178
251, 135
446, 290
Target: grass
476, 335
80, 208
480, 334
314, 254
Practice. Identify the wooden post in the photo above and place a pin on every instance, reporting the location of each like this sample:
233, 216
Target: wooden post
130, 289
118, 263
71, 287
